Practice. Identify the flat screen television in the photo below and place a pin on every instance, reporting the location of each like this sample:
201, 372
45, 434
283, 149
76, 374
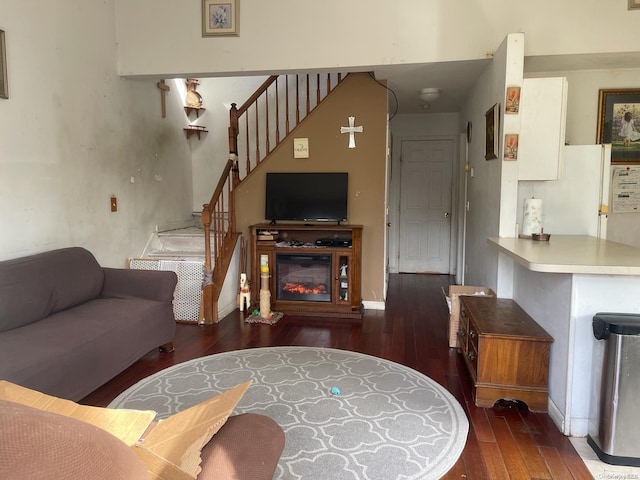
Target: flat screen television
308, 197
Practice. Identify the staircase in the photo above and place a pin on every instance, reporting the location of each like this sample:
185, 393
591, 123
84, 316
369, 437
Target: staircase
266, 119
180, 251
182, 243
256, 128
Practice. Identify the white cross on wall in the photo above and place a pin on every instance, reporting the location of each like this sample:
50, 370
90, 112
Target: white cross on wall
351, 130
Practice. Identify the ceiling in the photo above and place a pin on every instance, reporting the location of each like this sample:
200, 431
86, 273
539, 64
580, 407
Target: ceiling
456, 79
453, 79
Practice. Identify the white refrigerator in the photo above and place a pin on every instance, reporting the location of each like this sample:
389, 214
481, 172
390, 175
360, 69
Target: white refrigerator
577, 203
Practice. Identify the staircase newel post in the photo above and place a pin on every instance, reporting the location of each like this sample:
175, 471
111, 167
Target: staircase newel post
207, 299
206, 223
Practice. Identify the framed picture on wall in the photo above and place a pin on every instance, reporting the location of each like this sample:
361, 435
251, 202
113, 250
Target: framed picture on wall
220, 18
511, 146
619, 123
4, 88
633, 4
491, 133
512, 102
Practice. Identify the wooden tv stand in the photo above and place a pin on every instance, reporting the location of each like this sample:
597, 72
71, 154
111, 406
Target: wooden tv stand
345, 299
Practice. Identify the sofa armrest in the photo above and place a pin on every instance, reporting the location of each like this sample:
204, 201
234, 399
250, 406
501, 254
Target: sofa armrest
149, 284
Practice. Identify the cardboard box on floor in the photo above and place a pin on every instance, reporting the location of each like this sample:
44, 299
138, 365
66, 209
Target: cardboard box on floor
170, 448
454, 310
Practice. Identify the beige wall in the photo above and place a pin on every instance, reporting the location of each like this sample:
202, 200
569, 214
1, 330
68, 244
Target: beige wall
358, 96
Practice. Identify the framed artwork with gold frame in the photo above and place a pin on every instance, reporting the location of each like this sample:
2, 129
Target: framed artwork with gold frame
619, 123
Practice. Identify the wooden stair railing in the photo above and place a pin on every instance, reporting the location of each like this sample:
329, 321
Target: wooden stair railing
271, 114
264, 121
218, 221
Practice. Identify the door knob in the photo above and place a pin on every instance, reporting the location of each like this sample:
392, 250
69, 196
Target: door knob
446, 214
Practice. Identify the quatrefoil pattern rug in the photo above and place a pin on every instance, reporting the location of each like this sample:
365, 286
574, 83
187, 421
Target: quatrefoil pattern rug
346, 415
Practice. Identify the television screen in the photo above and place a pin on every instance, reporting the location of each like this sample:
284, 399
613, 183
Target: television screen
319, 197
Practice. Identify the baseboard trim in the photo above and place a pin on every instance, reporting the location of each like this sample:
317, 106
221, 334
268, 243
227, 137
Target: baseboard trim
557, 416
226, 310
371, 305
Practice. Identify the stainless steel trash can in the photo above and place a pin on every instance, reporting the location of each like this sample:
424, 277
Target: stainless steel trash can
613, 433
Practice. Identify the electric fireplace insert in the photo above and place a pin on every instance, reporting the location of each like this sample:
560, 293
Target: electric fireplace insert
304, 277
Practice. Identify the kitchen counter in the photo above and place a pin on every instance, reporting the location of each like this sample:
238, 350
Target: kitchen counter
562, 284
572, 254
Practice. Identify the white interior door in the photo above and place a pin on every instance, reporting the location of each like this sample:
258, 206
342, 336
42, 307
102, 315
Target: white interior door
425, 206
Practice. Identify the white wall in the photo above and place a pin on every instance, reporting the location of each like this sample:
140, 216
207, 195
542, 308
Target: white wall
74, 133
582, 114
307, 34
492, 184
211, 152
426, 125
564, 305
571, 203
547, 298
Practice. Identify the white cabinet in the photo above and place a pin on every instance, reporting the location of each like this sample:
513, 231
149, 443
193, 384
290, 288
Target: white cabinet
543, 106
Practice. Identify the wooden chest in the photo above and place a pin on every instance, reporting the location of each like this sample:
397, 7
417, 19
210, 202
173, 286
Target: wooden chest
506, 352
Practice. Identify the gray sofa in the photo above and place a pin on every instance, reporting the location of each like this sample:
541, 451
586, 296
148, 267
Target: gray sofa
68, 325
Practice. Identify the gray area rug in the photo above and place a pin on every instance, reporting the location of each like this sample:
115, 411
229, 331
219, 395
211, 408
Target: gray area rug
387, 421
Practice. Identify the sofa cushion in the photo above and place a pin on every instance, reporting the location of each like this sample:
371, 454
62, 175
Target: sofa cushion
35, 444
33, 287
71, 353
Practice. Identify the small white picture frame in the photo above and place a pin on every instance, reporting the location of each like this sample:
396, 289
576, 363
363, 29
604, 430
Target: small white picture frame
300, 148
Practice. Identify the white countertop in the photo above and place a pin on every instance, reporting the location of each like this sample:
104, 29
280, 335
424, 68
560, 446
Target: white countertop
572, 254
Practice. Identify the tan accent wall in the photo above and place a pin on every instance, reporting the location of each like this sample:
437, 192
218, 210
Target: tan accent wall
362, 97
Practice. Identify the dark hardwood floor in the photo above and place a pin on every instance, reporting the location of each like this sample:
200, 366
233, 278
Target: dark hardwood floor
504, 442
